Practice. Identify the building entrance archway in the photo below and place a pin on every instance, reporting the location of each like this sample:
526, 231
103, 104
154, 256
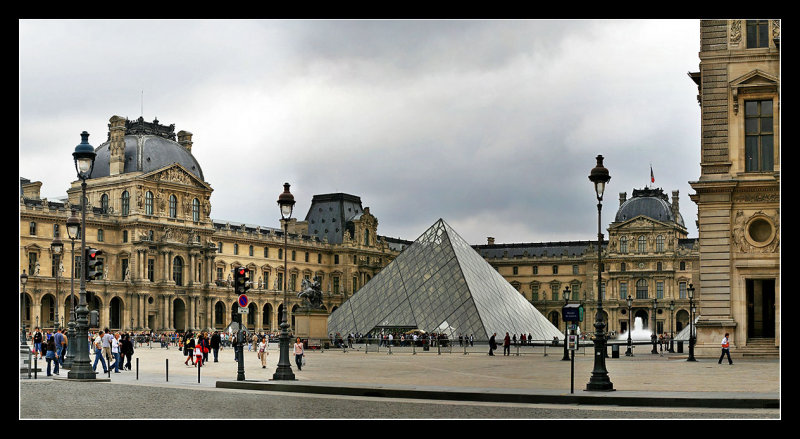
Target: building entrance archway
179, 315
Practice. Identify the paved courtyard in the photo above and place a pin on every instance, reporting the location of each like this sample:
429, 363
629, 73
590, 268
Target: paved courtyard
530, 370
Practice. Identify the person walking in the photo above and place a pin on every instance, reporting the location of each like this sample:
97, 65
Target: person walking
215, 342
52, 356
263, 351
107, 337
206, 346
492, 344
60, 345
506, 345
126, 351
37, 343
115, 352
298, 354
198, 350
98, 352
188, 349
726, 349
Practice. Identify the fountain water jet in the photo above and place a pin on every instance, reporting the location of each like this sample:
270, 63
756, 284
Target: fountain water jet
638, 333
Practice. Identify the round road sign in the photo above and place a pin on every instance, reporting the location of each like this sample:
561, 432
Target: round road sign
243, 300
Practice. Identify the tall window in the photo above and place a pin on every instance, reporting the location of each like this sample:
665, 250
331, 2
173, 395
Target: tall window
32, 228
659, 243
173, 206
757, 33
366, 237
151, 269
642, 244
659, 290
623, 244
555, 269
534, 292
236, 249
758, 136
99, 235
623, 290
335, 284
250, 250
104, 203
195, 210
219, 247
177, 270
148, 203
126, 203
682, 290
292, 282
641, 289
32, 258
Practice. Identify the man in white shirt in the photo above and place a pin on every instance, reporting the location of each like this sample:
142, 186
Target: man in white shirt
726, 349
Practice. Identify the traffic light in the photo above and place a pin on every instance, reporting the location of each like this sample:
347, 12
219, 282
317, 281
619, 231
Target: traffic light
94, 264
241, 280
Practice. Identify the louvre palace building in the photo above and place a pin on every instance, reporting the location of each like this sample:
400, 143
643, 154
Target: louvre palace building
168, 264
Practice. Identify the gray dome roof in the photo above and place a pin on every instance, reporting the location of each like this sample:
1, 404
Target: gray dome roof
147, 153
651, 203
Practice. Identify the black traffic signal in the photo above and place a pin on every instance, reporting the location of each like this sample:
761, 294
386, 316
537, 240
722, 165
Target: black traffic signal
241, 280
94, 264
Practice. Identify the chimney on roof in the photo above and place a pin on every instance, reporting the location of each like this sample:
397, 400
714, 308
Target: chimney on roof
675, 205
622, 197
185, 139
490, 240
116, 146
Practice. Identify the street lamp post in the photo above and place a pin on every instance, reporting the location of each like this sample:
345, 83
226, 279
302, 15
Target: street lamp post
671, 325
284, 370
23, 336
57, 249
690, 291
566, 324
73, 228
599, 380
629, 352
654, 336
84, 156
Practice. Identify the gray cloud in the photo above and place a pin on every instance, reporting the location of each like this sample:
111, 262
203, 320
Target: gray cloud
491, 125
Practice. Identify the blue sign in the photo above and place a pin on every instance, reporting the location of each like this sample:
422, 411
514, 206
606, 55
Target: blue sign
572, 313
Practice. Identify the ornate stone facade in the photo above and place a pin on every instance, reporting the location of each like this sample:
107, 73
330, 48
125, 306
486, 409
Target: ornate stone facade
167, 262
738, 192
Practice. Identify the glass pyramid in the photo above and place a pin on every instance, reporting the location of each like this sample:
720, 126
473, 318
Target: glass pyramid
441, 284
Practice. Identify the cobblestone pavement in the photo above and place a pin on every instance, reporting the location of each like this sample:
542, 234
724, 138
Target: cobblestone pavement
165, 381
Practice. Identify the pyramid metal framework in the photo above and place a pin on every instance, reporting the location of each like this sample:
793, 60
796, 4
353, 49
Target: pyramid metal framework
441, 284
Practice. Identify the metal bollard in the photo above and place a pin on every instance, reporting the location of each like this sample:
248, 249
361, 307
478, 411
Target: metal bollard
199, 366
35, 367
137, 368
167, 369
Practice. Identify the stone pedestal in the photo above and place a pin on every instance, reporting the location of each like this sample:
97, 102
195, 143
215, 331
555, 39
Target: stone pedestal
311, 324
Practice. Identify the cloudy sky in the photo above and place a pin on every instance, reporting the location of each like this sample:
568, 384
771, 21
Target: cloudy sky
492, 125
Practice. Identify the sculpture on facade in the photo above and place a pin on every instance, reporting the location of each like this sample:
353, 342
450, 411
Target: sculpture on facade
311, 293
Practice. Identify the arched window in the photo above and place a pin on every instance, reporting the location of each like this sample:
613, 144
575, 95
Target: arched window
623, 244
642, 244
148, 203
126, 203
366, 237
173, 206
659, 243
641, 289
177, 270
104, 203
196, 210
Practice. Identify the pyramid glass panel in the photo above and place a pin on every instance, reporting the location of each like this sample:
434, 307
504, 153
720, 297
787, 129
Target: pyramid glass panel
441, 284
